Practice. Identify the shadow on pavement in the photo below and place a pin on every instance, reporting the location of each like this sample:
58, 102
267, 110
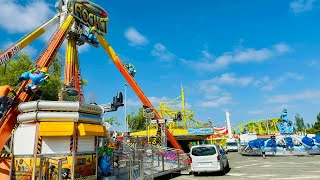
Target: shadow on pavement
174, 175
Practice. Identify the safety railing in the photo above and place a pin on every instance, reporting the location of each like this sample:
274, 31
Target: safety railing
148, 162
51, 168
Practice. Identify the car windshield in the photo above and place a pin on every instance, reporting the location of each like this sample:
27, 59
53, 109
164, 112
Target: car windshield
203, 151
231, 144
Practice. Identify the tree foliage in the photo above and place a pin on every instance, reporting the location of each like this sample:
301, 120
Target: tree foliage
299, 123
113, 120
136, 121
315, 128
21, 63
317, 124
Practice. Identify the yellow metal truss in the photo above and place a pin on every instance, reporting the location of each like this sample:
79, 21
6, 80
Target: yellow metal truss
170, 110
261, 127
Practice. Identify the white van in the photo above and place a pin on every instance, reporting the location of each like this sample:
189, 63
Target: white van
208, 158
232, 146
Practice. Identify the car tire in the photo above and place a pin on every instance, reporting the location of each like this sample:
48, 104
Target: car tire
227, 166
223, 171
195, 173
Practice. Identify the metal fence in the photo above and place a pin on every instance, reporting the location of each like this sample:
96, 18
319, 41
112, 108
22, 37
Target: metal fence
136, 161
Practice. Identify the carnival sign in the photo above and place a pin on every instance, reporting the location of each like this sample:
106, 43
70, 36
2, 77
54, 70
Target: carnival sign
90, 14
200, 131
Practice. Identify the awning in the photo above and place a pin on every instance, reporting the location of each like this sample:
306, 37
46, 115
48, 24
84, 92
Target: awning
91, 130
66, 129
56, 128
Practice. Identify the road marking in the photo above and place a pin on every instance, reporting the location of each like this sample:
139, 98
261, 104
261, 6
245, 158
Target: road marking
300, 177
235, 174
246, 166
314, 171
185, 177
242, 162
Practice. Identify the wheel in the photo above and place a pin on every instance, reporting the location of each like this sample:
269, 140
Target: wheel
227, 166
223, 171
195, 173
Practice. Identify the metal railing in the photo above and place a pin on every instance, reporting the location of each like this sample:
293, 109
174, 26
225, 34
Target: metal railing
142, 162
52, 169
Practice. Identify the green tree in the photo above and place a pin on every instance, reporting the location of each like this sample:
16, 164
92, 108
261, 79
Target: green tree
113, 120
317, 124
21, 63
136, 121
311, 130
308, 126
14, 68
299, 123
51, 91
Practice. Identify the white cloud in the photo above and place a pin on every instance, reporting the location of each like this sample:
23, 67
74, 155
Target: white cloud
217, 101
155, 101
299, 6
307, 95
282, 48
230, 79
270, 109
206, 54
207, 63
133, 102
210, 86
84, 48
254, 112
187, 105
30, 50
160, 51
135, 38
17, 18
45, 37
267, 84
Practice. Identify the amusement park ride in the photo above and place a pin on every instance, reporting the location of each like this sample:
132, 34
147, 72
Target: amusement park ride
73, 16
175, 109
285, 144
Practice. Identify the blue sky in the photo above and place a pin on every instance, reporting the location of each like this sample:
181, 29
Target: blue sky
252, 58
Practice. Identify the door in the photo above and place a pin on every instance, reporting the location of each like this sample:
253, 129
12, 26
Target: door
86, 143
204, 156
223, 155
53, 145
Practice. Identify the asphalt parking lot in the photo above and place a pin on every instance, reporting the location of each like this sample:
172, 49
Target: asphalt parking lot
271, 168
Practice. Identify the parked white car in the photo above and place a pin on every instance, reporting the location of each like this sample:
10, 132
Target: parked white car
232, 146
208, 158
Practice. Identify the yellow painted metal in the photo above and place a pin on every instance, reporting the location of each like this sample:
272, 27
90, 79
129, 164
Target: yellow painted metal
22, 43
36, 33
170, 110
261, 127
56, 129
153, 132
71, 60
66, 129
91, 130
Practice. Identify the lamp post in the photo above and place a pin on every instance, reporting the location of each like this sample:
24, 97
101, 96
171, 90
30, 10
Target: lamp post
125, 107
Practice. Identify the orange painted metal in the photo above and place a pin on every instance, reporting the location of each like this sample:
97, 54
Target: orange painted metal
143, 98
10, 119
5, 164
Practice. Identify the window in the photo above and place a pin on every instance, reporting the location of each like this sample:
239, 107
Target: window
204, 151
232, 144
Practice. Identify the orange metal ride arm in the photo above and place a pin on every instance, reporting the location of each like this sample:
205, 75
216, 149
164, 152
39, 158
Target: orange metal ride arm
145, 101
10, 119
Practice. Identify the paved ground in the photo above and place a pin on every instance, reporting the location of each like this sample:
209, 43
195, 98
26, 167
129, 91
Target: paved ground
272, 168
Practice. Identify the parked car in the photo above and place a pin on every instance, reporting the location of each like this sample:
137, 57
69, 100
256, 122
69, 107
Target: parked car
208, 158
232, 146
